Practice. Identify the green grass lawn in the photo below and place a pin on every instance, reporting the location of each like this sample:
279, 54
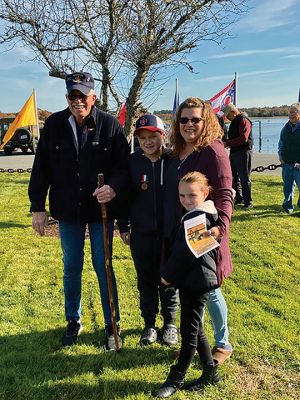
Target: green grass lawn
262, 294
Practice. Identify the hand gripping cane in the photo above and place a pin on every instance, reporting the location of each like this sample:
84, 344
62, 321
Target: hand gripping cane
108, 267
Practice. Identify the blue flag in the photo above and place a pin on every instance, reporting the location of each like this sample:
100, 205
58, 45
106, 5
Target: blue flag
176, 99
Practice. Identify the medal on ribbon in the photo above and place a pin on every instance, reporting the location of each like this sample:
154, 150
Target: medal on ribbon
144, 182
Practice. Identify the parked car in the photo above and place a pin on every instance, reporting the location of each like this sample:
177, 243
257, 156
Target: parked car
24, 138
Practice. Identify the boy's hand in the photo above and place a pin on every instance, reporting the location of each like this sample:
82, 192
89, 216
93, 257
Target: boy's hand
125, 236
163, 281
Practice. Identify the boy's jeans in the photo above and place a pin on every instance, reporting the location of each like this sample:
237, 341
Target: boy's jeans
72, 236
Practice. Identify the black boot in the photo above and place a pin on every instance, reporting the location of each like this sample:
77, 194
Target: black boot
174, 381
209, 376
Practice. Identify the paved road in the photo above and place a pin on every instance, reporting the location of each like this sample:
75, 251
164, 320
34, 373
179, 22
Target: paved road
19, 160
16, 160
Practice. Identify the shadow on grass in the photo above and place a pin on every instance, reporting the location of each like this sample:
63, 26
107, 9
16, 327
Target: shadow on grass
272, 210
35, 366
12, 224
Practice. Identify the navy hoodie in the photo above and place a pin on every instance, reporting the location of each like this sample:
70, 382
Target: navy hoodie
145, 208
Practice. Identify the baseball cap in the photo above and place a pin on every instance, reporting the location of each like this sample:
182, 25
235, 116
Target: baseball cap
82, 81
150, 122
228, 108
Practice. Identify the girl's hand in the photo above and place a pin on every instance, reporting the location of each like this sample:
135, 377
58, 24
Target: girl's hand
163, 281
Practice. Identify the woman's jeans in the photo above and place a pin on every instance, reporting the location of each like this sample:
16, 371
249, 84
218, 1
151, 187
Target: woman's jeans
290, 177
72, 236
217, 309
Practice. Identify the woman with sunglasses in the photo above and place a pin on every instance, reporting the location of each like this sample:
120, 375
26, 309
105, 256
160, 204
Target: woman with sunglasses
197, 146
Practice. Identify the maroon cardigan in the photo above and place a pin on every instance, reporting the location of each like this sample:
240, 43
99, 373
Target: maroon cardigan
213, 161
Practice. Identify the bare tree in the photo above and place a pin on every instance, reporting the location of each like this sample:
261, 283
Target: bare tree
164, 33
68, 36
124, 43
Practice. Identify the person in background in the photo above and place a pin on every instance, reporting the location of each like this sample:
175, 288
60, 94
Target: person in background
77, 144
197, 142
195, 276
289, 156
223, 126
240, 142
148, 166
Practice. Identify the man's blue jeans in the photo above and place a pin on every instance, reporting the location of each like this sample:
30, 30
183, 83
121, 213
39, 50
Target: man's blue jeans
290, 177
217, 309
72, 236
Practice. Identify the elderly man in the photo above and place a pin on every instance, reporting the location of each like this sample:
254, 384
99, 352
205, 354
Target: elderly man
77, 144
289, 156
240, 142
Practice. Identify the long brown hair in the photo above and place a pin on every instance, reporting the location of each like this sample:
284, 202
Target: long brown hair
211, 126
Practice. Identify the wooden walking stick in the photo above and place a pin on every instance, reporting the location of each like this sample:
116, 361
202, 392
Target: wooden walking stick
108, 267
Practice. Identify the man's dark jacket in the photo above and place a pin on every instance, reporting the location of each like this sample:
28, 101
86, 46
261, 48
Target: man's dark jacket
71, 176
234, 132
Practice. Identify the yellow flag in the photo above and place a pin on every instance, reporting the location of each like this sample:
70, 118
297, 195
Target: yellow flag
25, 117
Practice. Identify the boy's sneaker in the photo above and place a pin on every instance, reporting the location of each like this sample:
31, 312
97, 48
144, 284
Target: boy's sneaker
73, 330
169, 335
149, 336
109, 341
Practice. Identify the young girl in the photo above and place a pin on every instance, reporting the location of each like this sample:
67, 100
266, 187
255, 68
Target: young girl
195, 277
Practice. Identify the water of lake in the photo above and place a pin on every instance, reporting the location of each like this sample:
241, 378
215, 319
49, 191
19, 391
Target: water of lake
270, 132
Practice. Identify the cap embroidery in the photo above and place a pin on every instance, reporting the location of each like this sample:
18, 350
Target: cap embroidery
143, 121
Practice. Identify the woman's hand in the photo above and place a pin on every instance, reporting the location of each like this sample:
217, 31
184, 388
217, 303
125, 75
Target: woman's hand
214, 232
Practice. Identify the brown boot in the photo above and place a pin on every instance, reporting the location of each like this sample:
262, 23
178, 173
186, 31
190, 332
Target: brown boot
220, 355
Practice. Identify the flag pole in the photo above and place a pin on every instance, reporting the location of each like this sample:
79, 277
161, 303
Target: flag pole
299, 96
36, 115
236, 88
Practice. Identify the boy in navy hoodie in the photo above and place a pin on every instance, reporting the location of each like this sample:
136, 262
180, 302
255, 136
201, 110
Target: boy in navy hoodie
148, 166
193, 271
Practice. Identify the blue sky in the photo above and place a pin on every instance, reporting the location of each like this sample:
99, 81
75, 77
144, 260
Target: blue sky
265, 53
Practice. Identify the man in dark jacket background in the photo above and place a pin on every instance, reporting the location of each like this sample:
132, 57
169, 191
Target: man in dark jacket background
289, 156
77, 144
240, 142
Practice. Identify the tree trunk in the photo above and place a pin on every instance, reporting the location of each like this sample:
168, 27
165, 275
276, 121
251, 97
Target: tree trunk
104, 88
133, 100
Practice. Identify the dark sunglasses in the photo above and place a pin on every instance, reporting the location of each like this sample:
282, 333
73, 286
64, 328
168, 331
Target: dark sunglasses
73, 96
185, 120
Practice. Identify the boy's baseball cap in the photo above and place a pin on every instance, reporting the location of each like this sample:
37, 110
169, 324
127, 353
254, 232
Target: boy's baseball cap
82, 81
228, 108
150, 122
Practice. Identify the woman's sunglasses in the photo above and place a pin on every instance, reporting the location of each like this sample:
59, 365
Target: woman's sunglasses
185, 120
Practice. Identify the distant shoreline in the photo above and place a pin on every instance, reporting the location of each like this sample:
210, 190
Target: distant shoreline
283, 117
